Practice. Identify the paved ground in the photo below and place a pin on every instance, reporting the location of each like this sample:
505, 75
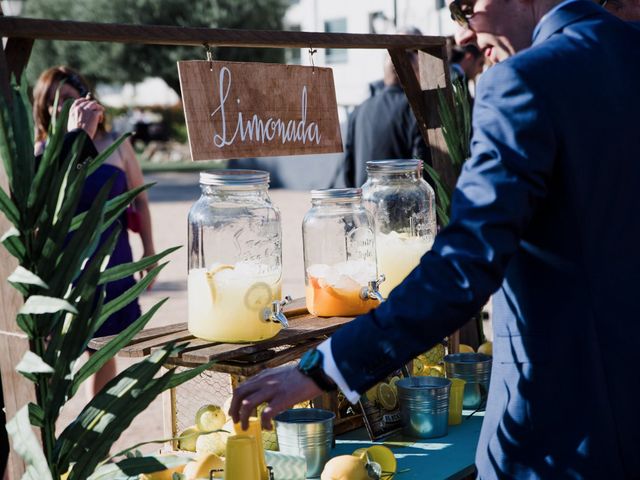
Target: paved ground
171, 199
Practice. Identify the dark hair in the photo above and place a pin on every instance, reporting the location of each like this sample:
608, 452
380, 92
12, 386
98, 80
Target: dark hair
458, 52
44, 89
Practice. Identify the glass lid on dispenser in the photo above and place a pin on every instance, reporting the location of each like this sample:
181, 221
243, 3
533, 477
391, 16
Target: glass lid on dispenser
232, 177
394, 166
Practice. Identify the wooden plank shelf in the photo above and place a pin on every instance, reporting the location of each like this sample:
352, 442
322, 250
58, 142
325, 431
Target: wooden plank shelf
239, 359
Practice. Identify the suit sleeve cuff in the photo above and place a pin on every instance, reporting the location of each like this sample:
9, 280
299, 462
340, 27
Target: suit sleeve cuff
331, 369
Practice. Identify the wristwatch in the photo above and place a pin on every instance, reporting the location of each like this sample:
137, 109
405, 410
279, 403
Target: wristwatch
310, 365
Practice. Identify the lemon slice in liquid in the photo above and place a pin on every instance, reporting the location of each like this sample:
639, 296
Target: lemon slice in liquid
210, 274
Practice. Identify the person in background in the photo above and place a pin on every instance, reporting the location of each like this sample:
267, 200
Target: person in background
544, 216
467, 62
87, 114
383, 127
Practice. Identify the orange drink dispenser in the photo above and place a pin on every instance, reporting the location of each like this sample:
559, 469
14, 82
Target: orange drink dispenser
339, 254
404, 210
235, 259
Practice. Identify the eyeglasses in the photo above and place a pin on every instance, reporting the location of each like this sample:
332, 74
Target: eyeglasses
462, 11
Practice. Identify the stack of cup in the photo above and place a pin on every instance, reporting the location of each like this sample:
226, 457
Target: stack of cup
424, 406
255, 432
456, 395
475, 370
241, 462
306, 432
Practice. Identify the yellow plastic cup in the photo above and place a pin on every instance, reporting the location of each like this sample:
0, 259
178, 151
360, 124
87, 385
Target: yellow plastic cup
456, 394
241, 462
255, 432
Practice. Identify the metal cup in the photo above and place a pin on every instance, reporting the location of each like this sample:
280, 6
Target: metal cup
308, 433
475, 369
424, 406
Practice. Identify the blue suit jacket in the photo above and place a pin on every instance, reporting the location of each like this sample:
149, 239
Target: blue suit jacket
546, 215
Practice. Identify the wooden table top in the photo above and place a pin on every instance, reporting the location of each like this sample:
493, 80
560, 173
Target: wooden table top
246, 359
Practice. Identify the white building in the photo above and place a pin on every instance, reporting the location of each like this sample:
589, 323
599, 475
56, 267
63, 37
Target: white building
354, 69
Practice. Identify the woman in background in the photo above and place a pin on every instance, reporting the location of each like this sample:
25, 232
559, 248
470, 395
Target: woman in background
86, 113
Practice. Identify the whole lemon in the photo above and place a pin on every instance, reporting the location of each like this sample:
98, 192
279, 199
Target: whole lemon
345, 467
486, 348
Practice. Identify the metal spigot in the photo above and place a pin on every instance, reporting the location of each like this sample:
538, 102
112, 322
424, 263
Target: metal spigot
275, 313
372, 290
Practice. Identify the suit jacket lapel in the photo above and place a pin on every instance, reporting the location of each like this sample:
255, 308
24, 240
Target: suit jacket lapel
565, 15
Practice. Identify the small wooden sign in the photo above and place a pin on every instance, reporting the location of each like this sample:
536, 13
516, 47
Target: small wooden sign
236, 109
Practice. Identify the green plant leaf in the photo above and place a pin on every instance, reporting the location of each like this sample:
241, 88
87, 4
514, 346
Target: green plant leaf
114, 207
26, 444
32, 363
9, 208
110, 412
81, 245
182, 377
106, 153
135, 466
39, 304
36, 415
23, 276
98, 359
13, 243
121, 271
128, 296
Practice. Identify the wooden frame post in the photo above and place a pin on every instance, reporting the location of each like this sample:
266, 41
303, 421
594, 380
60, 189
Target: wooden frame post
17, 390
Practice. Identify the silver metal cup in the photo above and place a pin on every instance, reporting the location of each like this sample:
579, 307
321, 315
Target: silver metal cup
475, 369
424, 406
308, 433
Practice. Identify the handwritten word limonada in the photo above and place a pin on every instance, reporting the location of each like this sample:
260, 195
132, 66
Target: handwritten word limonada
258, 129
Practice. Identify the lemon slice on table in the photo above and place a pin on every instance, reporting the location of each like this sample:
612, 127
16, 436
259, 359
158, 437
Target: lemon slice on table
258, 296
210, 277
393, 381
387, 396
372, 394
210, 418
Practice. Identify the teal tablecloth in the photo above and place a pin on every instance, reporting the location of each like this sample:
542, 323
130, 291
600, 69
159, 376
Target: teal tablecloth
449, 457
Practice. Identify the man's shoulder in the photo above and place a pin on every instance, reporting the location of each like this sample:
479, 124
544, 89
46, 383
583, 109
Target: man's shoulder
588, 44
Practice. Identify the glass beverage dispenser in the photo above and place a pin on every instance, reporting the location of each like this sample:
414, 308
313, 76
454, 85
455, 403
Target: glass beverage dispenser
339, 254
403, 206
235, 259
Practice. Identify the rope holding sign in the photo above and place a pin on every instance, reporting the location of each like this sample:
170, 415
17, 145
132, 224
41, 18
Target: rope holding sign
207, 49
312, 51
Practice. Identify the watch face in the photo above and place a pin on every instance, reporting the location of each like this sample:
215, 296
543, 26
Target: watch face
310, 359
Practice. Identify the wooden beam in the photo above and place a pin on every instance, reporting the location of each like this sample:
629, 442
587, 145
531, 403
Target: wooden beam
434, 76
411, 86
18, 51
168, 35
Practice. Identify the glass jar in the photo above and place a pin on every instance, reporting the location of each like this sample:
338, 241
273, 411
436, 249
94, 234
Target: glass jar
403, 206
235, 258
339, 254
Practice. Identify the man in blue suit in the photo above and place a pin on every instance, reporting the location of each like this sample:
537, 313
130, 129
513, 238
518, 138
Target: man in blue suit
544, 216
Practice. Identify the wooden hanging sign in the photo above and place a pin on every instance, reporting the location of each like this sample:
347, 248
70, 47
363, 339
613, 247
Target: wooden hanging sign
237, 109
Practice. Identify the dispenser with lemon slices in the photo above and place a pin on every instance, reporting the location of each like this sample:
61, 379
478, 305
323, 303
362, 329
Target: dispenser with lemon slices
235, 259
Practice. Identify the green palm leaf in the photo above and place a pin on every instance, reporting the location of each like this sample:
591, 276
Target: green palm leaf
98, 359
121, 271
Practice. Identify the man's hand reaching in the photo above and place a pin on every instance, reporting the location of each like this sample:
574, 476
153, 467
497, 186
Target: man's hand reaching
280, 388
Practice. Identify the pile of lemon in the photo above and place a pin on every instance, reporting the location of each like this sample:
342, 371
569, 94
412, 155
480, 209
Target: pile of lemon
430, 363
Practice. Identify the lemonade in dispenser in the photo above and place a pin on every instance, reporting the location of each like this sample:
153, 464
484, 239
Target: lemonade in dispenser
403, 206
235, 259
